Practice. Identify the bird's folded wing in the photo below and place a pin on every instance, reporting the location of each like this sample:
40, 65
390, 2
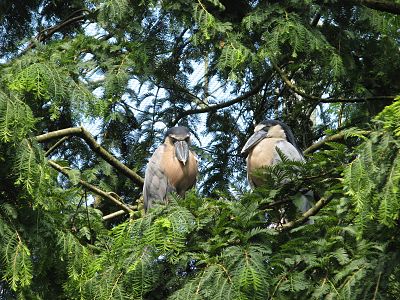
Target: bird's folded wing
156, 185
289, 151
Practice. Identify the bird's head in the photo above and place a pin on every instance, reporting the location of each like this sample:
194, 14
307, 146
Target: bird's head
269, 129
179, 137
274, 129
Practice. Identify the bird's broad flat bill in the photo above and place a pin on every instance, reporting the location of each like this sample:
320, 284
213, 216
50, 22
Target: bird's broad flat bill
182, 151
254, 140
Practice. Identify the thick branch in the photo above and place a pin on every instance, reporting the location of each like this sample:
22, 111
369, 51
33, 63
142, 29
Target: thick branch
215, 107
114, 215
311, 212
92, 188
59, 134
110, 158
316, 19
48, 32
318, 145
94, 146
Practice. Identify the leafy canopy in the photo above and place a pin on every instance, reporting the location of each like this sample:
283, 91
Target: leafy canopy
127, 70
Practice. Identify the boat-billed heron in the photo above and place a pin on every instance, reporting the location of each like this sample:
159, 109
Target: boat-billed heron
172, 168
261, 151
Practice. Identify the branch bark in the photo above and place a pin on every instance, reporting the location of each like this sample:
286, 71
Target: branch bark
114, 215
48, 32
314, 147
92, 188
95, 147
56, 145
215, 107
311, 212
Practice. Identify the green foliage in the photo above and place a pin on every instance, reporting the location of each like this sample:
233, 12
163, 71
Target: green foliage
16, 119
209, 26
49, 83
128, 69
373, 178
35, 214
42, 80
389, 116
234, 56
113, 11
16, 256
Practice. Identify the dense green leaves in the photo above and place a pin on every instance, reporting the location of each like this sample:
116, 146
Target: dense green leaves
16, 119
125, 70
372, 179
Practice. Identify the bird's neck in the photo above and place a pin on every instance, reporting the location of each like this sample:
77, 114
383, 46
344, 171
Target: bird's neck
276, 132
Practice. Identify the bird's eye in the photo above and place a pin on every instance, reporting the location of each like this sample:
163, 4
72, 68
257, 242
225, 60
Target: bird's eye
187, 139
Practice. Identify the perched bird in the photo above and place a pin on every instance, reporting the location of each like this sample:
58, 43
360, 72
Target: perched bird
172, 168
261, 151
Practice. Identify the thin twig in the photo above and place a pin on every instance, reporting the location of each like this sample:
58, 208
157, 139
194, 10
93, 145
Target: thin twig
272, 204
56, 145
380, 5
91, 187
311, 212
298, 91
377, 286
215, 107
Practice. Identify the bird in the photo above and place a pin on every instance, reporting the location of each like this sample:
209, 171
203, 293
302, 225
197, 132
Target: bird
261, 150
173, 167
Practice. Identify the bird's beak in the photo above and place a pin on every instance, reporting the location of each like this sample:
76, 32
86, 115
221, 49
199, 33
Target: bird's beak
254, 140
182, 151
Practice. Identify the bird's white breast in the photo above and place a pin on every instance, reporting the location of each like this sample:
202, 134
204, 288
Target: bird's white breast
265, 154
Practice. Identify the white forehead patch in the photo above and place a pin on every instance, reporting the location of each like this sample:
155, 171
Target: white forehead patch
259, 127
179, 137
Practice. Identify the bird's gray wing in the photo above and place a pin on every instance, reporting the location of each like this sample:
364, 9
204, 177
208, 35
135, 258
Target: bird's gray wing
156, 187
288, 150
254, 140
291, 152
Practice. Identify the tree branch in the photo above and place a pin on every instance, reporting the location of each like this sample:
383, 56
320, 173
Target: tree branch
92, 188
114, 215
291, 86
59, 134
95, 147
333, 138
298, 91
311, 212
381, 5
388, 6
355, 100
48, 32
314, 147
215, 107
55, 146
